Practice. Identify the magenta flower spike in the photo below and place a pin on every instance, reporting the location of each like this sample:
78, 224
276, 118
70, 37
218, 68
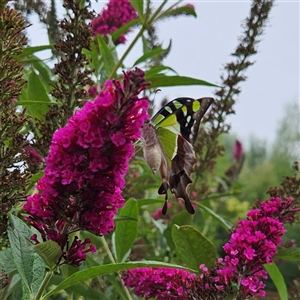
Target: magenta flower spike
252, 244
84, 176
238, 150
117, 14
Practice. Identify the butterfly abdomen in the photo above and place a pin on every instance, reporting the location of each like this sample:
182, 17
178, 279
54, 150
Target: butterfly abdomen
151, 147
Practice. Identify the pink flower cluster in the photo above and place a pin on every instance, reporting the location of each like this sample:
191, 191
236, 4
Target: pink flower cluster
251, 245
158, 213
238, 150
160, 283
117, 14
239, 274
34, 159
83, 179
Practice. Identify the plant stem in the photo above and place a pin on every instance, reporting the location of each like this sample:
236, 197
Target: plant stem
146, 22
44, 284
105, 245
119, 63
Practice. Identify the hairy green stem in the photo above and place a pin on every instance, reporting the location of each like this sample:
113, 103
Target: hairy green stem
111, 258
146, 23
119, 63
44, 284
105, 245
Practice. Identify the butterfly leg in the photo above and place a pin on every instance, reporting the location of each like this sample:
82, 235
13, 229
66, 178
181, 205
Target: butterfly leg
163, 190
165, 208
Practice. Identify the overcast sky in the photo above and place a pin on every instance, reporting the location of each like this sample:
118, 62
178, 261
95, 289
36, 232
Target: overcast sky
202, 45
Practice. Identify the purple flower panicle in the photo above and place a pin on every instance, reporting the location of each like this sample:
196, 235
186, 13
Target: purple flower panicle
33, 156
34, 159
237, 150
158, 213
252, 244
117, 14
83, 179
160, 283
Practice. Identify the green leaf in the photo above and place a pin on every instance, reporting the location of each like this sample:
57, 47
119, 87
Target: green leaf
6, 261
278, 280
290, 254
94, 58
138, 5
116, 34
157, 70
38, 271
44, 72
118, 218
181, 218
153, 17
115, 282
164, 80
112, 46
146, 48
83, 291
150, 201
218, 196
25, 292
193, 248
223, 222
148, 186
30, 50
140, 181
36, 97
186, 10
155, 52
30, 266
93, 272
49, 251
33, 180
126, 231
43, 69
29, 103
15, 288
106, 55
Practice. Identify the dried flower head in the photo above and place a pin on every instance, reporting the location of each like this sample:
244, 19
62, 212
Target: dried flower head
72, 72
14, 174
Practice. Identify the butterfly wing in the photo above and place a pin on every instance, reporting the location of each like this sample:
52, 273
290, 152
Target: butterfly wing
180, 169
168, 141
168, 145
180, 118
183, 116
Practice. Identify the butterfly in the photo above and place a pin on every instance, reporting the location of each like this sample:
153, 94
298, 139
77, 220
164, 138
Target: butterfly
167, 142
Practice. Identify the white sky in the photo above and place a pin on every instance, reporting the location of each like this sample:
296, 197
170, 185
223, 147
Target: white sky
202, 45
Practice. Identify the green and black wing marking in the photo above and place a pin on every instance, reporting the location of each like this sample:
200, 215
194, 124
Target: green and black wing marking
168, 144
